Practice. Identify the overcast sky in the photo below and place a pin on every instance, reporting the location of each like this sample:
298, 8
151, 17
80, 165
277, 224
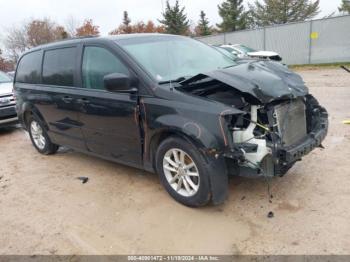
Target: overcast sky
108, 13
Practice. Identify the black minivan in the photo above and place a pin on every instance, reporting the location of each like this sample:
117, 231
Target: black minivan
171, 105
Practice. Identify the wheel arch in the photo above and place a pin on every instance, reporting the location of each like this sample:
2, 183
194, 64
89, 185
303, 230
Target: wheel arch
27, 111
217, 167
164, 134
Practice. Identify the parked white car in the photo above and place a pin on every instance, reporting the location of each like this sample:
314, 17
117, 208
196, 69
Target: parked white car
243, 51
8, 115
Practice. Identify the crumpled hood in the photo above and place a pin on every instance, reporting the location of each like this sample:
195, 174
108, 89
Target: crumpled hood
265, 80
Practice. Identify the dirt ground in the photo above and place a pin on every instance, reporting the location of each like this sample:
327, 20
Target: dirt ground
44, 209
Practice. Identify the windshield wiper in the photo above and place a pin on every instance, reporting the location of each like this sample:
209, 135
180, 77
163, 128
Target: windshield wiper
229, 66
178, 80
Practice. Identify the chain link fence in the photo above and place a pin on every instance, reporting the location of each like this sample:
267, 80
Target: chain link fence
312, 42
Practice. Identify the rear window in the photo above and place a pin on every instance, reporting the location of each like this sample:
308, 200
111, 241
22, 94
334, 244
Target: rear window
59, 67
29, 68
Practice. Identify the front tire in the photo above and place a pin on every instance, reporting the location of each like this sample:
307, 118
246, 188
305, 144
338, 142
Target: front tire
183, 172
39, 137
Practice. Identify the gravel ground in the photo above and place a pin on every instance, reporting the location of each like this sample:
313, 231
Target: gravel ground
44, 209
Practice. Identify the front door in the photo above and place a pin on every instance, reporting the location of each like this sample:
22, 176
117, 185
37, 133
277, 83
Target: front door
108, 118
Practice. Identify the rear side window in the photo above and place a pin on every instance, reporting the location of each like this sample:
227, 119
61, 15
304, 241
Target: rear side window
97, 63
59, 67
29, 68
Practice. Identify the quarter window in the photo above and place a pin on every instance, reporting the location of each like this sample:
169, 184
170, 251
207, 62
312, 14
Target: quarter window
29, 68
97, 63
59, 67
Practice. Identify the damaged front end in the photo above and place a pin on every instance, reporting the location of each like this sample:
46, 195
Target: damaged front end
275, 136
281, 123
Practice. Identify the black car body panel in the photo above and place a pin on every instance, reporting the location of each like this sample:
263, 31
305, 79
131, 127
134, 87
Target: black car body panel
204, 110
265, 80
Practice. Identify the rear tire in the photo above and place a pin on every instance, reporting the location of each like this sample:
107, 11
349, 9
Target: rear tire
39, 137
182, 171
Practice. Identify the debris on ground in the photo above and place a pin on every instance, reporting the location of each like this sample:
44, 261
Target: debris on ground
243, 197
346, 69
83, 179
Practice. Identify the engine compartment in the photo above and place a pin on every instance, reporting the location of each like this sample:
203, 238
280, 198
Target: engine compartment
262, 136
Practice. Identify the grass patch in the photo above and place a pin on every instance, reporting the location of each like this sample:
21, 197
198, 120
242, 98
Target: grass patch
318, 66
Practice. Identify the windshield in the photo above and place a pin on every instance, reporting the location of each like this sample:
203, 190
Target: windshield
4, 78
244, 49
226, 52
170, 58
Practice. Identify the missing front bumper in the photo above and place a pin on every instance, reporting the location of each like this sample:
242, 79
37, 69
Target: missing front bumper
282, 155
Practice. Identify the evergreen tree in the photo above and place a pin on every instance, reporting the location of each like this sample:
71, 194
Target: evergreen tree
271, 12
126, 27
126, 19
345, 7
203, 27
175, 20
234, 17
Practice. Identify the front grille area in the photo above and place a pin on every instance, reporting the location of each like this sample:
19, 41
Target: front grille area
7, 100
291, 121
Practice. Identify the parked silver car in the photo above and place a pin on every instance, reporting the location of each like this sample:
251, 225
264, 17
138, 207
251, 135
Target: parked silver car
243, 51
8, 115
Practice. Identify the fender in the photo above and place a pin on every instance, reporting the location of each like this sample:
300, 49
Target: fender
205, 141
199, 134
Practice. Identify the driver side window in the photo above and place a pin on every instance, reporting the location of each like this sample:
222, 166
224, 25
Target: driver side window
97, 63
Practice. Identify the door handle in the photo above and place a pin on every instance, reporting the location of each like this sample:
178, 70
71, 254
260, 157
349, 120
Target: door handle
67, 99
83, 101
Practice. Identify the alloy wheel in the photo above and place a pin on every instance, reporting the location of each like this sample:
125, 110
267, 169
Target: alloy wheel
181, 172
37, 135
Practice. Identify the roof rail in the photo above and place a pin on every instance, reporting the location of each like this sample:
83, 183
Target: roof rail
81, 37
70, 39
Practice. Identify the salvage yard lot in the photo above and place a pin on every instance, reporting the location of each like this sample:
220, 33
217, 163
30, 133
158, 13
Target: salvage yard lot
45, 209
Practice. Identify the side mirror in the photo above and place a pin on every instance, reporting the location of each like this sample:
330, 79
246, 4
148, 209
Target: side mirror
117, 82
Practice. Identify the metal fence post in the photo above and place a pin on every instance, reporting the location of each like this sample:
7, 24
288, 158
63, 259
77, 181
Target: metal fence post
264, 35
310, 42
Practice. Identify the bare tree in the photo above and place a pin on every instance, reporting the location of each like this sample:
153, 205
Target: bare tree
44, 31
30, 34
16, 41
71, 24
5, 64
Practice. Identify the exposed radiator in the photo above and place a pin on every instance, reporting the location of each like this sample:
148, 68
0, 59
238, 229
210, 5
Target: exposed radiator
291, 121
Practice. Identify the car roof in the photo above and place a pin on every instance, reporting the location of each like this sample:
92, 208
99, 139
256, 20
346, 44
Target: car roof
87, 39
